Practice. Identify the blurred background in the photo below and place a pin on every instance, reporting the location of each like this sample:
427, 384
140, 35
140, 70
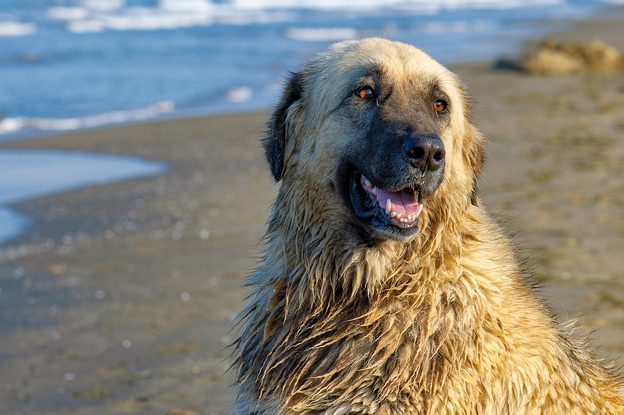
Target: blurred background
133, 190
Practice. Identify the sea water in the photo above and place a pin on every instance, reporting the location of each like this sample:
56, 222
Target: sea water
26, 174
73, 64
70, 64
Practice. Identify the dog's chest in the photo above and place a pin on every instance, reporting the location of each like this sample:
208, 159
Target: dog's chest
387, 363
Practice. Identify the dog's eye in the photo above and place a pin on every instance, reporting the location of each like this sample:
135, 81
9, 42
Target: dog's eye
440, 106
366, 93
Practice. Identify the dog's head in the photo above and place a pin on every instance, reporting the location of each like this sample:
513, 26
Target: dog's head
383, 133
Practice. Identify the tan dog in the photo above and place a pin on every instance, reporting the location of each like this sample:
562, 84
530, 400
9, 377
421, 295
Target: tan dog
385, 287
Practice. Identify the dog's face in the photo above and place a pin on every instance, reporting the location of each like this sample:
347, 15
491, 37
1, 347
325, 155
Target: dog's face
382, 128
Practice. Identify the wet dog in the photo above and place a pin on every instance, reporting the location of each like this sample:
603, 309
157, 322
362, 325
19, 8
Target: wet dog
385, 287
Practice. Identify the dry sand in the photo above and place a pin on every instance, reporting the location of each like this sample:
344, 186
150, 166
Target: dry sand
121, 298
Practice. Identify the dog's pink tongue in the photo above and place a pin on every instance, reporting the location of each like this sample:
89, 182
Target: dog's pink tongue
403, 203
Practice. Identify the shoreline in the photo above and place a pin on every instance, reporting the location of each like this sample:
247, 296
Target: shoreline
121, 302
62, 171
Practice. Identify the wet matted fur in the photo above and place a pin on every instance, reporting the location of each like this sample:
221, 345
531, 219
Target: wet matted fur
352, 312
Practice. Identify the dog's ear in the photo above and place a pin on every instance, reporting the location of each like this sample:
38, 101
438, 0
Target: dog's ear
274, 142
473, 145
476, 158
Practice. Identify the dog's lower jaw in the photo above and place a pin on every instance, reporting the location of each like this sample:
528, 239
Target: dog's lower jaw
374, 214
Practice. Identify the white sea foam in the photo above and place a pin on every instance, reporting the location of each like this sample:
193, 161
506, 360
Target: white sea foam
140, 19
327, 34
154, 21
67, 13
16, 29
244, 17
238, 95
360, 5
186, 5
166, 17
101, 15
86, 9
103, 5
86, 26
9, 125
366, 5
460, 26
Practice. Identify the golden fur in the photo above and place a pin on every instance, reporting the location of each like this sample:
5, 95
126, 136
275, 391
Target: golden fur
443, 324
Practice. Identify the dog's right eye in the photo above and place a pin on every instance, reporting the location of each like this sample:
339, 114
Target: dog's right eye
366, 93
440, 106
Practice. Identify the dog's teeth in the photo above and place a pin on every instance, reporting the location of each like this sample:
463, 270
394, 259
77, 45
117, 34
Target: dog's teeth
393, 214
419, 209
388, 206
367, 185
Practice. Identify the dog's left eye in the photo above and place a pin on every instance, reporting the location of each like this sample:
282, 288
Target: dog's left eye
366, 93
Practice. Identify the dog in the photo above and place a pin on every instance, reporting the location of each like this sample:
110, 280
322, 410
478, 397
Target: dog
385, 287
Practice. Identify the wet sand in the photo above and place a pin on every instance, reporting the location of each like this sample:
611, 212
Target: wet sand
120, 298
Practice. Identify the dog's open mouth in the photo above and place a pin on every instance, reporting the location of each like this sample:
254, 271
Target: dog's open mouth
393, 212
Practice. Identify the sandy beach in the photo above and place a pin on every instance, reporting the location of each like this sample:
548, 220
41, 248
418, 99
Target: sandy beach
120, 297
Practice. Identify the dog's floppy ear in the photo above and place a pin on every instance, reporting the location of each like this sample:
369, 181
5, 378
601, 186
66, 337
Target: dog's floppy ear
274, 142
476, 158
473, 145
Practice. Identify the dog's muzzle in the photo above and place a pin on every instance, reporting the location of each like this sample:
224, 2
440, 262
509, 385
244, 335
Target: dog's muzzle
387, 193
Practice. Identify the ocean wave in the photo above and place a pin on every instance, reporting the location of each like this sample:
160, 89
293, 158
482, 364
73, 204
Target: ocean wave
327, 34
139, 20
169, 16
85, 9
103, 5
16, 29
238, 95
366, 5
11, 125
67, 13
360, 5
185, 5
460, 26
101, 15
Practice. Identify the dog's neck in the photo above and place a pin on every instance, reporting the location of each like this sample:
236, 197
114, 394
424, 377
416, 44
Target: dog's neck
327, 305
340, 267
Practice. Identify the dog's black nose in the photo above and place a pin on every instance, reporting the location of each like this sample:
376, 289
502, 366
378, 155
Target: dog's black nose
425, 152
